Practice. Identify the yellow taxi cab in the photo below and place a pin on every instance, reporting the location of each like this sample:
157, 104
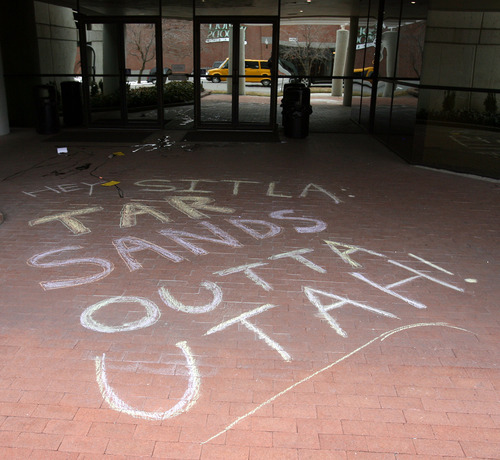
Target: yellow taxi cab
256, 71
365, 72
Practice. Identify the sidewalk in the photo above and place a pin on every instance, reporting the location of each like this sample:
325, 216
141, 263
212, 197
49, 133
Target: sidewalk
308, 299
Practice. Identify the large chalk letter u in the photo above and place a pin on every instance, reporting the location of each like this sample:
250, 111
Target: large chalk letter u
186, 402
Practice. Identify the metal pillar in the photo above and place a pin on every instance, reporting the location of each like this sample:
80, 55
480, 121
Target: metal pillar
111, 56
229, 81
349, 63
4, 115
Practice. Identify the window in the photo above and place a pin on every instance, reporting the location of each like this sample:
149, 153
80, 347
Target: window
251, 64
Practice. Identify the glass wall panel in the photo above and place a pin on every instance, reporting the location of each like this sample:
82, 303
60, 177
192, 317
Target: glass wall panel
255, 87
141, 89
410, 47
106, 107
122, 89
57, 40
386, 72
452, 137
306, 51
140, 53
177, 37
104, 52
215, 52
58, 56
178, 63
364, 64
236, 72
399, 133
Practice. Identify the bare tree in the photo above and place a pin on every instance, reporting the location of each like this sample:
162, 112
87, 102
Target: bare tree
141, 44
310, 49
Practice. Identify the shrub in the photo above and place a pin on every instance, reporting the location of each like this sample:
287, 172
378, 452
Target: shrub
178, 91
466, 116
141, 97
173, 92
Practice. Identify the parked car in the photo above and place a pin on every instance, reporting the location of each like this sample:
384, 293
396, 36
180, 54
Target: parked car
152, 74
256, 70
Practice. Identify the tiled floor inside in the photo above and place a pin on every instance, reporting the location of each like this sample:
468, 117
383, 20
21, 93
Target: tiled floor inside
313, 298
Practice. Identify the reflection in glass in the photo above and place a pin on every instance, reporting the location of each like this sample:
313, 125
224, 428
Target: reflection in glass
57, 57
400, 68
105, 107
306, 52
410, 49
364, 66
458, 130
120, 60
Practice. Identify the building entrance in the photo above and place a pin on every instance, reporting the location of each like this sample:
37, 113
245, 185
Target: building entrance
109, 50
235, 85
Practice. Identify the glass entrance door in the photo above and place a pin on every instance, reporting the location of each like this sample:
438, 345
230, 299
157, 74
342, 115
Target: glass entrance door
119, 60
235, 86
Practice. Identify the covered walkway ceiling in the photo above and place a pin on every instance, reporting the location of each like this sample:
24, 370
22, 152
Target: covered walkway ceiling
289, 8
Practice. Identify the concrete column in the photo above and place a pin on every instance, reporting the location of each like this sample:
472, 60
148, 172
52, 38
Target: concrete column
389, 42
242, 60
111, 53
4, 114
339, 61
350, 58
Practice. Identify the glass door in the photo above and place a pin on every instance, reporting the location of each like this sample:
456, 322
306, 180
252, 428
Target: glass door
235, 84
121, 85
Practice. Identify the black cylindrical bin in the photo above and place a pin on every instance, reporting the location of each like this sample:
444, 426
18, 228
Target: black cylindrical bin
296, 94
72, 107
296, 110
47, 116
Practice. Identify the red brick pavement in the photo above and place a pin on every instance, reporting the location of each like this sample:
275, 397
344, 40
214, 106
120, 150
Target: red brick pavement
345, 305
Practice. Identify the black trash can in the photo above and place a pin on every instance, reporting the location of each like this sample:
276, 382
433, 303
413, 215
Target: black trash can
72, 107
296, 110
47, 116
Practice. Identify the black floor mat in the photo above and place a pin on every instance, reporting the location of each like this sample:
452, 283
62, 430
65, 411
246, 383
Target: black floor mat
231, 136
111, 135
